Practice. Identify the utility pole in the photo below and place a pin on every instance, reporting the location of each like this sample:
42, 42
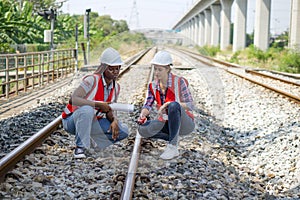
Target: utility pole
86, 32
52, 18
76, 48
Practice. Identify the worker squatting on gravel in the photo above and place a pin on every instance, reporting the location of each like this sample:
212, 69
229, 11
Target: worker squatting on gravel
88, 114
174, 103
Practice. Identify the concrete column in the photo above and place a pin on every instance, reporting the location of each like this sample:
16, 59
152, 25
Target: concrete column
207, 28
193, 30
225, 23
190, 31
202, 29
295, 25
186, 30
186, 33
262, 24
197, 30
215, 24
240, 22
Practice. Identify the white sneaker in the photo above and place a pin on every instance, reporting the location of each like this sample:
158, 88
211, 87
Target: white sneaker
170, 152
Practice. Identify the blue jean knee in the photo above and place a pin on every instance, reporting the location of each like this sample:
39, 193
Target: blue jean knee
105, 125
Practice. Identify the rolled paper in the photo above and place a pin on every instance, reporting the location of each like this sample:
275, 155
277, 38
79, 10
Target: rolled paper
122, 107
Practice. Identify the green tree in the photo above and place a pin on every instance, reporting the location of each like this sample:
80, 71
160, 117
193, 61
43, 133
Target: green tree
39, 5
17, 24
108, 26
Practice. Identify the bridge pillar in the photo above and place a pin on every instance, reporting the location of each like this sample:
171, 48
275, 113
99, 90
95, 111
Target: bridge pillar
202, 29
294, 25
189, 31
262, 24
207, 37
193, 30
240, 22
215, 24
185, 33
225, 23
197, 30
185, 30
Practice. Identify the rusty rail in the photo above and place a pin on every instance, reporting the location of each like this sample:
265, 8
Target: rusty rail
251, 71
11, 159
283, 93
286, 94
130, 178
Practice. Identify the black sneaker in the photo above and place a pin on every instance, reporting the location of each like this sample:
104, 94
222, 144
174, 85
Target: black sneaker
79, 152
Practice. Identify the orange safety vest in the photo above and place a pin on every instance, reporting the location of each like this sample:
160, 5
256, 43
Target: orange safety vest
173, 93
96, 94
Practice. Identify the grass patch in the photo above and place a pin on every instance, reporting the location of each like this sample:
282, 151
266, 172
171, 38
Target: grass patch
275, 58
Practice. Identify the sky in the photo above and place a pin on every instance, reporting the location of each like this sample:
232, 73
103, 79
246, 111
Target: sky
163, 14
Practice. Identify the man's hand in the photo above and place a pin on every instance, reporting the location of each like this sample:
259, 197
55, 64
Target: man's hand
103, 106
114, 128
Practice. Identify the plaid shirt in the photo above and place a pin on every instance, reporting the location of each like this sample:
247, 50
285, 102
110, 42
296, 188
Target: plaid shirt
185, 94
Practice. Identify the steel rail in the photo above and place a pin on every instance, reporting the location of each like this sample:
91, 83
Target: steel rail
286, 94
294, 76
130, 178
272, 77
283, 93
11, 159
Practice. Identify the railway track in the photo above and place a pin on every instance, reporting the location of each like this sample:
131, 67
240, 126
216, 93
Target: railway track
284, 84
144, 177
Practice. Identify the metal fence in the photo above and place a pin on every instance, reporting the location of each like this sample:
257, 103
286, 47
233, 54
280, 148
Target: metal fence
20, 72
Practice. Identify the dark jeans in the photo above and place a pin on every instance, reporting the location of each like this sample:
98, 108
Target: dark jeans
178, 123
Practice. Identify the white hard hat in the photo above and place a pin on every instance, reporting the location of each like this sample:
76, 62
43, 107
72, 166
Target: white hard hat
162, 58
111, 57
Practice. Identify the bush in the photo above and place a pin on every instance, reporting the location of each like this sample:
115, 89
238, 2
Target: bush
260, 55
235, 57
209, 50
290, 62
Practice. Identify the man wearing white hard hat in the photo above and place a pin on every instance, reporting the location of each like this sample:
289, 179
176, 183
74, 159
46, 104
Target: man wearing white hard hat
174, 104
88, 114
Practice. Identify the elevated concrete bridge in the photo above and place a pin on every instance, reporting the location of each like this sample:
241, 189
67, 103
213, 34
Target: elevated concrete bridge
208, 23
